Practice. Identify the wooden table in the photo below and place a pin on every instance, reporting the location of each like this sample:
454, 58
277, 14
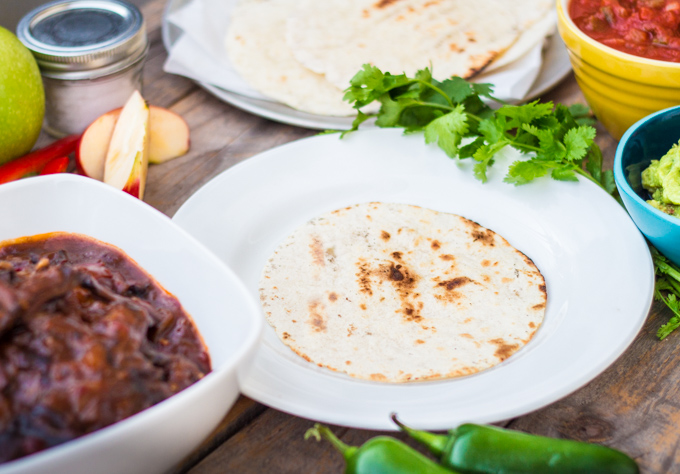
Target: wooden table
633, 406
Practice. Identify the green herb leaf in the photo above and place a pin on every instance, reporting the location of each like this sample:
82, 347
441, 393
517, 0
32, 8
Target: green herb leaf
448, 131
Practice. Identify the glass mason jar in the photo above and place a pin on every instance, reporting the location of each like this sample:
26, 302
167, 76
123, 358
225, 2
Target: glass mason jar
90, 54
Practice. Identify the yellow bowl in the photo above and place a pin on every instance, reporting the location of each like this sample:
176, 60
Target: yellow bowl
620, 88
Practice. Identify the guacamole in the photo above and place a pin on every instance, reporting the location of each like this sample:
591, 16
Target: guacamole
662, 180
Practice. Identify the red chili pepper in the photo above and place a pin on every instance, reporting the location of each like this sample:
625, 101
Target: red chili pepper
33, 163
55, 165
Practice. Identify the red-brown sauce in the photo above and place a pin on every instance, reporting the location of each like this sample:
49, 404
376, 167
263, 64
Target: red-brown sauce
87, 338
648, 28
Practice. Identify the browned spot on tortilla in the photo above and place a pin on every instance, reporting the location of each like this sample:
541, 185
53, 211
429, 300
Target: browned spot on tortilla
541, 288
457, 282
317, 252
362, 306
480, 62
316, 317
503, 349
467, 320
450, 296
378, 377
330, 254
538, 307
486, 263
286, 336
364, 277
385, 235
530, 263
384, 3
348, 362
350, 330
397, 255
531, 324
486, 278
484, 237
411, 312
365, 13
420, 341
467, 336
332, 296
301, 354
447, 257
435, 245
402, 279
506, 280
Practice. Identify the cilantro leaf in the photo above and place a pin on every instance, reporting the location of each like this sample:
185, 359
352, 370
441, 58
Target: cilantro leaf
448, 131
522, 172
578, 141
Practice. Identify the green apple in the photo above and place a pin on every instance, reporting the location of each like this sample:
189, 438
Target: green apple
22, 98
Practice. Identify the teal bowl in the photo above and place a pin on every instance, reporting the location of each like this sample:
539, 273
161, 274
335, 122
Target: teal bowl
648, 139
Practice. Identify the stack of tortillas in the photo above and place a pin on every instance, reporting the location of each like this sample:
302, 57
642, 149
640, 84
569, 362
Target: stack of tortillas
304, 52
396, 293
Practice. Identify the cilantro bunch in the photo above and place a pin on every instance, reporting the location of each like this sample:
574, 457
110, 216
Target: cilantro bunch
667, 290
556, 140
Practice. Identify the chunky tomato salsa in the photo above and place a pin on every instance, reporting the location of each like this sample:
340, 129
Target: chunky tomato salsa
648, 28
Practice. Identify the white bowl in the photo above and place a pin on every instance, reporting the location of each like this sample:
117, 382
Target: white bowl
226, 315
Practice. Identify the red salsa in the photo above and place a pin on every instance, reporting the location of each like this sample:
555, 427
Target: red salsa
648, 28
87, 338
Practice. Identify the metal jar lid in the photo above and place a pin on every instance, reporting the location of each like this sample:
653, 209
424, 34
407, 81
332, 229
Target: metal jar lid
84, 39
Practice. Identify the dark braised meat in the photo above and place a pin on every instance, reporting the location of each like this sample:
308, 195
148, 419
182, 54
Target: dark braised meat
87, 338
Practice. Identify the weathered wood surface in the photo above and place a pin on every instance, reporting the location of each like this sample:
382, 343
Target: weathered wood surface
633, 406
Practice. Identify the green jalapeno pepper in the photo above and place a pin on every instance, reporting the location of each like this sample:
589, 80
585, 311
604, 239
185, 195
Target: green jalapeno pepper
379, 455
490, 450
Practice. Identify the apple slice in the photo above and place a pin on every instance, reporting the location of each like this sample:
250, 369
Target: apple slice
127, 158
94, 143
168, 134
168, 138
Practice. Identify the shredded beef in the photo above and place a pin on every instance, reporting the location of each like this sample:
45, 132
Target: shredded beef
87, 338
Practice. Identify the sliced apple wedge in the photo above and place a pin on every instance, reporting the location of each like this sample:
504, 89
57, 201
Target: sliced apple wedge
94, 143
168, 139
127, 158
168, 133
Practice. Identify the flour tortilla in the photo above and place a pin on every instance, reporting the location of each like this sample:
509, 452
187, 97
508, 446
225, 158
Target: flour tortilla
457, 37
396, 293
536, 34
257, 48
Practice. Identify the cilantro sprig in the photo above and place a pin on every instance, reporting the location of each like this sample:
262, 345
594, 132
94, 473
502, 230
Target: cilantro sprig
667, 290
554, 140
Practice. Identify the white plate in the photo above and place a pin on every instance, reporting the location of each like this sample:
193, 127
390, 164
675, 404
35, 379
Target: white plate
597, 267
555, 67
